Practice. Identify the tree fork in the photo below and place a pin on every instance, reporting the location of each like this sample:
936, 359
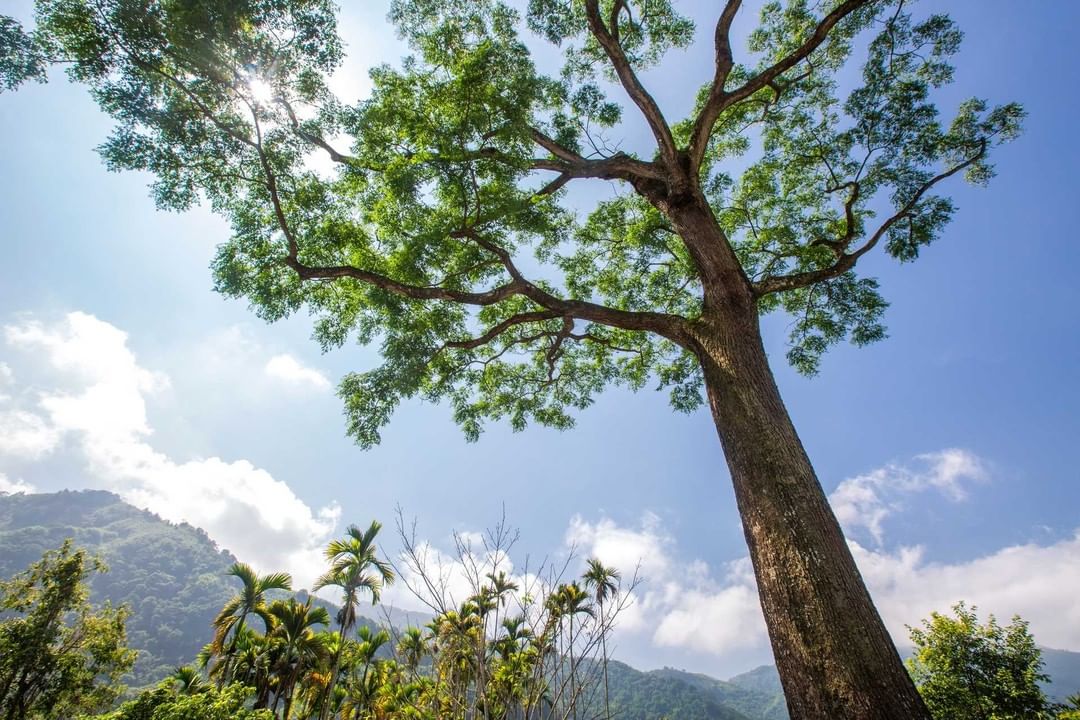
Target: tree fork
835, 658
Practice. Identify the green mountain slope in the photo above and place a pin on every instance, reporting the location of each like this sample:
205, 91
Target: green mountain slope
753, 694
171, 576
637, 695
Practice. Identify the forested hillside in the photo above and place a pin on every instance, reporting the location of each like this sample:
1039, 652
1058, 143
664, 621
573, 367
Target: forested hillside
668, 694
171, 576
756, 694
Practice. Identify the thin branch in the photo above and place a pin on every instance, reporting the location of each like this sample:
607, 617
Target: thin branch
719, 99
847, 261
336, 156
632, 84
500, 328
699, 137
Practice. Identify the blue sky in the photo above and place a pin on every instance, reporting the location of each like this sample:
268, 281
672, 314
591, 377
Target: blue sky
952, 443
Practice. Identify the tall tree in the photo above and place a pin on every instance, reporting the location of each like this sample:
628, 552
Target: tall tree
355, 566
787, 172
59, 657
251, 600
604, 582
972, 671
302, 647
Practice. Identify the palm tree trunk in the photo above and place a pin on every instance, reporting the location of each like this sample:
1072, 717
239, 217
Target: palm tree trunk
324, 711
603, 652
573, 672
836, 659
227, 670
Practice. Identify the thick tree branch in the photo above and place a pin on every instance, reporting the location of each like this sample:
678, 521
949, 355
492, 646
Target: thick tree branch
699, 136
630, 82
719, 99
846, 261
669, 326
406, 290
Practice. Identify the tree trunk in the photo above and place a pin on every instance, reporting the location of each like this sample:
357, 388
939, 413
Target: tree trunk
836, 660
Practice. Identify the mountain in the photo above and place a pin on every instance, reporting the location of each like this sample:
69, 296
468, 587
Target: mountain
173, 577
754, 694
764, 679
1063, 667
637, 695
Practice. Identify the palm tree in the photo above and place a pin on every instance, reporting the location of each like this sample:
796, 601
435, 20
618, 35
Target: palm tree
250, 600
188, 680
572, 600
301, 646
354, 566
605, 584
412, 648
367, 685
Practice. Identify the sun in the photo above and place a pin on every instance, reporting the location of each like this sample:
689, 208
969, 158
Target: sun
261, 91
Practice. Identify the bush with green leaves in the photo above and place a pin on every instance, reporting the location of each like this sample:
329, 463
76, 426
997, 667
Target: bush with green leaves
59, 656
971, 671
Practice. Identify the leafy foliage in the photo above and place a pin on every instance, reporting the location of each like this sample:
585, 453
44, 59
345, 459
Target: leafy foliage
20, 57
444, 181
171, 577
58, 655
964, 669
164, 703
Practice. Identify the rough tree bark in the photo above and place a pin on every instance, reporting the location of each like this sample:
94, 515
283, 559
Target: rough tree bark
835, 657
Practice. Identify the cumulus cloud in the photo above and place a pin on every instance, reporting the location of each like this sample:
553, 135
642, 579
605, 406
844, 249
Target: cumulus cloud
10, 487
681, 603
688, 604
24, 435
241, 506
865, 501
290, 370
1038, 582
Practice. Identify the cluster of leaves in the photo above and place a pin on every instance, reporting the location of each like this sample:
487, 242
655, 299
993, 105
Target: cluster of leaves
967, 670
170, 577
59, 656
477, 659
422, 236
176, 700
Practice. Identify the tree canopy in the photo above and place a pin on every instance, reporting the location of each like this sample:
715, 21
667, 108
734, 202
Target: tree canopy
454, 171
59, 656
967, 670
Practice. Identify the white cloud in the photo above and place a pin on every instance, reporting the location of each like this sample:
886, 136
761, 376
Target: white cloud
679, 602
688, 605
241, 506
865, 501
25, 435
625, 548
287, 368
10, 487
1038, 582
